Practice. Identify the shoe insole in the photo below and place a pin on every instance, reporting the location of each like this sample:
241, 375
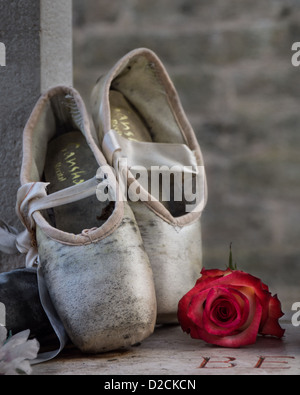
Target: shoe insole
69, 162
125, 119
128, 123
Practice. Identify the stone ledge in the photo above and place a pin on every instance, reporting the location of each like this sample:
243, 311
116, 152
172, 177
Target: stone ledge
171, 352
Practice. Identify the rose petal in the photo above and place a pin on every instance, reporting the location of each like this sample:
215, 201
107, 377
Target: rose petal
183, 309
239, 304
271, 327
242, 308
241, 279
209, 277
195, 312
249, 294
218, 330
224, 312
244, 338
212, 274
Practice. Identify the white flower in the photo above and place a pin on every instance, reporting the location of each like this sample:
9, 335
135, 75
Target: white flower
16, 352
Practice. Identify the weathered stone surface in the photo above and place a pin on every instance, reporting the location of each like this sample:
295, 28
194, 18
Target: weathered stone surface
171, 352
38, 39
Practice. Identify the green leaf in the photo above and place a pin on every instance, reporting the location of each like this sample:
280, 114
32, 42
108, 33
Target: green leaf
231, 266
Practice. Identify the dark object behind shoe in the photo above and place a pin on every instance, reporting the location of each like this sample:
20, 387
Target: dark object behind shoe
19, 293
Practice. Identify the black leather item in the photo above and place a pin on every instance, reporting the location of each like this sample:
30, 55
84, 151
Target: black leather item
19, 293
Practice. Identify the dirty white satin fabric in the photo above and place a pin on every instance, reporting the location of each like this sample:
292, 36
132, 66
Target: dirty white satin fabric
139, 153
33, 197
158, 158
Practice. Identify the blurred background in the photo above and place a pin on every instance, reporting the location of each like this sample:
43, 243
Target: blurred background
231, 64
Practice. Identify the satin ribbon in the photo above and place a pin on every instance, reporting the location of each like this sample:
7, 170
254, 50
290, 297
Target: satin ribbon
33, 197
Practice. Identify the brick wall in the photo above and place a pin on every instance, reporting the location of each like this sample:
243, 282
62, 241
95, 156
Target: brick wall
231, 63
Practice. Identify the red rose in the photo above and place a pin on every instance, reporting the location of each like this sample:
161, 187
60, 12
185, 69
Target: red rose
229, 308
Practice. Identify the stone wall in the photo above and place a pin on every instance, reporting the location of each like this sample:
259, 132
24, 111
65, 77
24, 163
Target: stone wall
231, 63
37, 35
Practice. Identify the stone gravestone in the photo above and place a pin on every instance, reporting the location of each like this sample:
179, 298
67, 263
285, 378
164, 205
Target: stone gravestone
35, 54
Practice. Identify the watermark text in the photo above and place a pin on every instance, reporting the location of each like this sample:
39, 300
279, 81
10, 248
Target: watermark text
2, 55
296, 316
181, 184
296, 55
